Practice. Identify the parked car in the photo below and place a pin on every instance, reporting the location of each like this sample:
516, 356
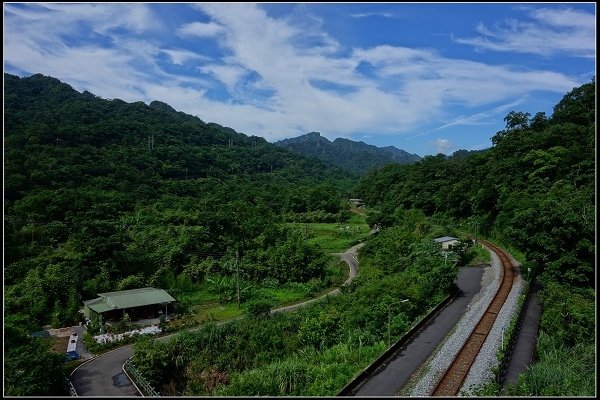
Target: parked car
72, 355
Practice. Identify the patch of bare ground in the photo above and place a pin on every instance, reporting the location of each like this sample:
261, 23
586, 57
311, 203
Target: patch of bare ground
59, 344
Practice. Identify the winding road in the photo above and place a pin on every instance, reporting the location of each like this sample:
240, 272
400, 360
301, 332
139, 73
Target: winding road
103, 376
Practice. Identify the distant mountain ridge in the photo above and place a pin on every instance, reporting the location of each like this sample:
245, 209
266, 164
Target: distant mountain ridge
356, 157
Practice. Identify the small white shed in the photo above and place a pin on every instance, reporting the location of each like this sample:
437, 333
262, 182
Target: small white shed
446, 241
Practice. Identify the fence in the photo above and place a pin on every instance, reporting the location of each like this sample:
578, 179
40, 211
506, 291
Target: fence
352, 386
139, 381
71, 389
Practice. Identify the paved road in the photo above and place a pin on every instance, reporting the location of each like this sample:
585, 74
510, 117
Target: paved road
523, 352
103, 376
393, 375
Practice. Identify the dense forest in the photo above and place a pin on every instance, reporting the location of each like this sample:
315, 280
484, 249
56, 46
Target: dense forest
103, 195
355, 157
534, 191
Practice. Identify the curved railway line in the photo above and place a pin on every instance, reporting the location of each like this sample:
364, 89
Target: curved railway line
453, 378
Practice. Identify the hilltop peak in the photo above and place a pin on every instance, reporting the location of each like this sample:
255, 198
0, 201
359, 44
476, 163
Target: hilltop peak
353, 156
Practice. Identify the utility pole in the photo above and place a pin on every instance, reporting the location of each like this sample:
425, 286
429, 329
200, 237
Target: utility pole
389, 331
237, 267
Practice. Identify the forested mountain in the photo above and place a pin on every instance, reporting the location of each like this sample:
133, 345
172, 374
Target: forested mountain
533, 190
103, 195
356, 157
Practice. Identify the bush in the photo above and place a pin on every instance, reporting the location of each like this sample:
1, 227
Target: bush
560, 371
259, 308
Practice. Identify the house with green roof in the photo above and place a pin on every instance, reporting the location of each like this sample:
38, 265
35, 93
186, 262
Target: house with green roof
137, 303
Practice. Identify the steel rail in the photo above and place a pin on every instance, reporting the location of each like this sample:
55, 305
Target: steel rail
452, 380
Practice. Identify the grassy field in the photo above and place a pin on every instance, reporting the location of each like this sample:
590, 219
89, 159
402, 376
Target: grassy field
336, 237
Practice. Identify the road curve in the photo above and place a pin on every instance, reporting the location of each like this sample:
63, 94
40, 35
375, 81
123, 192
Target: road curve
349, 256
103, 376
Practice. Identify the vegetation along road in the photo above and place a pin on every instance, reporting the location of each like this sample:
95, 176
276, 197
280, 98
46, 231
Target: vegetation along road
104, 376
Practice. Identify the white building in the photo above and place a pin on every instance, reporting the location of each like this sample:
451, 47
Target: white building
446, 241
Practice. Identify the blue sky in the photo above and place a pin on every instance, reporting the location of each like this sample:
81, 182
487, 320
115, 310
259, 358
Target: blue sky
424, 77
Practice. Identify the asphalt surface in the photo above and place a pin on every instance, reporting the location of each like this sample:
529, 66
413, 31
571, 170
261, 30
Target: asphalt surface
394, 374
523, 351
103, 376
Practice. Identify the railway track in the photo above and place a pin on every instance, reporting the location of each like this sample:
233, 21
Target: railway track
453, 378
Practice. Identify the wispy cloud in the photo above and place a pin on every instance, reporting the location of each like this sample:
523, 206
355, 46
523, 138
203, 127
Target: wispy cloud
180, 56
547, 32
230, 75
372, 14
481, 118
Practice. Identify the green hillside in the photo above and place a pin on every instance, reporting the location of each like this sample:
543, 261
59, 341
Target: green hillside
102, 194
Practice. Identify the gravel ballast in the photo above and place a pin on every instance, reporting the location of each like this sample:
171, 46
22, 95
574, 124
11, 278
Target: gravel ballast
481, 371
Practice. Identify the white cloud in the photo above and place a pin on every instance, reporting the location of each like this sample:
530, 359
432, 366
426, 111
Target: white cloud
481, 118
441, 145
200, 29
120, 68
411, 85
548, 32
230, 75
65, 19
469, 82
